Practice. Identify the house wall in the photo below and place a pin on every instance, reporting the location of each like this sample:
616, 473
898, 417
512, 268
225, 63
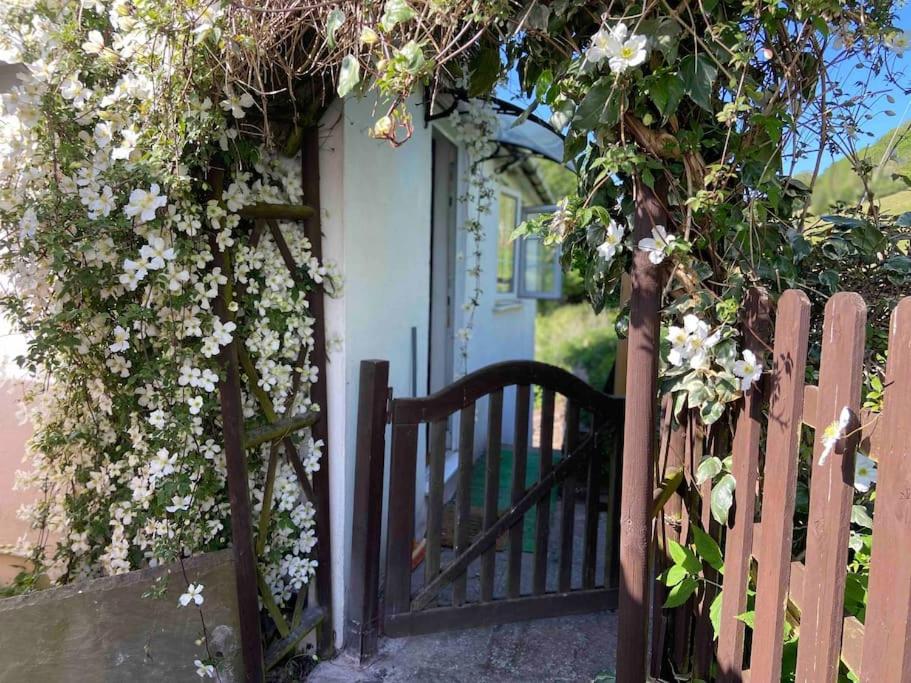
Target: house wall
376, 202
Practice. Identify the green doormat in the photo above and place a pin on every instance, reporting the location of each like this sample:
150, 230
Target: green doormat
504, 495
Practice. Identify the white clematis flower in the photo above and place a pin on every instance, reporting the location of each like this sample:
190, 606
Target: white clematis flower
658, 245
749, 370
699, 342
121, 340
144, 204
834, 433
622, 50
204, 670
156, 253
612, 242
193, 594
864, 473
235, 103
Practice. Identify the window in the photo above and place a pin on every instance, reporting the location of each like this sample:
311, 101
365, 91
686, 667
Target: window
506, 247
540, 272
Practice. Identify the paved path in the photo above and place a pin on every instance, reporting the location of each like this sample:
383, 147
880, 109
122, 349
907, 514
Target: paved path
562, 649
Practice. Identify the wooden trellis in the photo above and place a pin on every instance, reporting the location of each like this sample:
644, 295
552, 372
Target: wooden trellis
313, 604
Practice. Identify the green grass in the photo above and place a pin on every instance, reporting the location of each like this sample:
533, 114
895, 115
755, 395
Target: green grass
574, 338
896, 204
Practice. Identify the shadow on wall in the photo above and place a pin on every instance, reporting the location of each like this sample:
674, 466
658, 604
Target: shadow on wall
13, 437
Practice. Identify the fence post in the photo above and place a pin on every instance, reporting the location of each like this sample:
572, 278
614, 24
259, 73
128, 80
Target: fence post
639, 434
831, 491
887, 639
362, 613
745, 469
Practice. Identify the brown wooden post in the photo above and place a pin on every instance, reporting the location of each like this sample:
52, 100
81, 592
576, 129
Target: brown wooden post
640, 428
362, 612
831, 491
318, 392
745, 468
887, 640
789, 362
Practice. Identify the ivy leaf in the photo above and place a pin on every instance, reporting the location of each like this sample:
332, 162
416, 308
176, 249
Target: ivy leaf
681, 592
723, 498
666, 92
708, 549
349, 75
698, 74
333, 24
395, 12
485, 71
748, 618
708, 469
861, 517
594, 108
711, 411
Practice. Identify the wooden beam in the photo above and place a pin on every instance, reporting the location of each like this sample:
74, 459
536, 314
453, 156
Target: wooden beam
282, 212
256, 436
640, 428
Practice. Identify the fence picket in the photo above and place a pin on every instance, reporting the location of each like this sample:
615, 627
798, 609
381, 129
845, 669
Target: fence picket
400, 532
436, 464
887, 637
745, 471
792, 330
592, 495
831, 492
491, 488
519, 462
568, 504
542, 522
462, 512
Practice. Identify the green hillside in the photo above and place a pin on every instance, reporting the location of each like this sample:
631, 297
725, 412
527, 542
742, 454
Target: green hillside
839, 182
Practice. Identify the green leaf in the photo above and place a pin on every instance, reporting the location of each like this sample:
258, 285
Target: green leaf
485, 71
675, 575
666, 92
395, 12
748, 618
591, 110
708, 549
349, 75
333, 23
723, 498
715, 614
684, 557
698, 74
708, 469
681, 592
711, 412
861, 517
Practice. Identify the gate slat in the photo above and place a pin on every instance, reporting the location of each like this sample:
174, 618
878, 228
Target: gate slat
463, 496
436, 463
592, 493
542, 522
611, 546
745, 469
887, 637
401, 518
519, 461
491, 489
568, 503
792, 330
831, 492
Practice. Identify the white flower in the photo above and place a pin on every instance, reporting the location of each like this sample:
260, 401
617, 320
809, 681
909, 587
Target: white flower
102, 204
95, 43
235, 103
156, 253
162, 464
622, 49
193, 594
145, 204
103, 134
699, 342
121, 340
204, 670
834, 433
129, 136
678, 338
181, 503
134, 273
657, 245
749, 370
28, 224
612, 242
898, 42
195, 404
864, 473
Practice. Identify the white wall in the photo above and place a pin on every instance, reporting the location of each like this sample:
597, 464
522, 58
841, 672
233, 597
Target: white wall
376, 226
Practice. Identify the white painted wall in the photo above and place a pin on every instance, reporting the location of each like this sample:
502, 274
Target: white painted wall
376, 225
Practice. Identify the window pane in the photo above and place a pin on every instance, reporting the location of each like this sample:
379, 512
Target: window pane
541, 264
506, 248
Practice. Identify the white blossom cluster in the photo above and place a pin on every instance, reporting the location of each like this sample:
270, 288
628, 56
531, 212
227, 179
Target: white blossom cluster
109, 245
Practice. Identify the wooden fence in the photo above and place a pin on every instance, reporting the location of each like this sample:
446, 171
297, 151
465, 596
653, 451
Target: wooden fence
810, 594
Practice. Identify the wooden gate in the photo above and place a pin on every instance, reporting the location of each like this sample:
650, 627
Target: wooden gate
429, 587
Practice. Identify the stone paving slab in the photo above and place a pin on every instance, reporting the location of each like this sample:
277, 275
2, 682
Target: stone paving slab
562, 649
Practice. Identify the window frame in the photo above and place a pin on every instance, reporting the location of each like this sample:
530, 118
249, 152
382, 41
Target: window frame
512, 293
557, 293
